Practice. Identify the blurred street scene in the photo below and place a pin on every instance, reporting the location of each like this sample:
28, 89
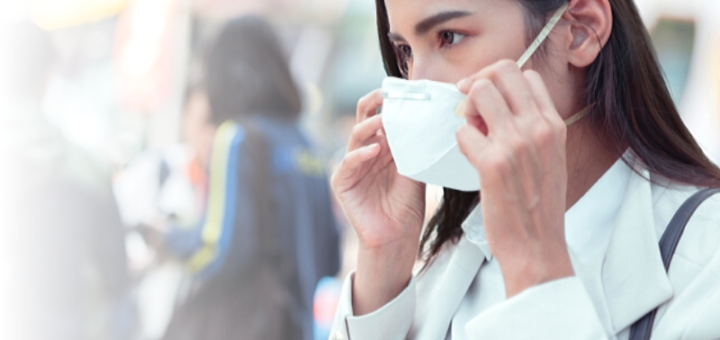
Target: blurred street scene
164, 164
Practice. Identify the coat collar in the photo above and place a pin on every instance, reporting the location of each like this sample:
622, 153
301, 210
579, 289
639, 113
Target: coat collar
626, 284
633, 277
445, 295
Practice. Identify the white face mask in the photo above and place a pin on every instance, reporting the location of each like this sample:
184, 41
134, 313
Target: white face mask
420, 119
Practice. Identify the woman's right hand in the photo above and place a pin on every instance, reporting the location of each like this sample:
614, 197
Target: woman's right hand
385, 208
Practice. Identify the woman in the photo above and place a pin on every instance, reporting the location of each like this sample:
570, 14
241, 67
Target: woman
563, 242
269, 233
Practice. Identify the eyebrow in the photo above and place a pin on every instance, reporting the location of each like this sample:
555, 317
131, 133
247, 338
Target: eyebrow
437, 19
428, 23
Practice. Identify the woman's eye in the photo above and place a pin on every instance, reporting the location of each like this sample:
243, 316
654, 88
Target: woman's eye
405, 52
404, 56
449, 38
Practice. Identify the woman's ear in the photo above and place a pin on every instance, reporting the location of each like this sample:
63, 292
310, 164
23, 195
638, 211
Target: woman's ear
590, 28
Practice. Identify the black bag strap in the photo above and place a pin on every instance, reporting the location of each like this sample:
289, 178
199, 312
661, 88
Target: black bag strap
642, 329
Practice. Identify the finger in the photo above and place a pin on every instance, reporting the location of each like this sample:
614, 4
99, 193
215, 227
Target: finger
555, 124
382, 160
363, 131
384, 157
508, 78
542, 96
514, 87
348, 172
472, 144
487, 73
367, 106
485, 100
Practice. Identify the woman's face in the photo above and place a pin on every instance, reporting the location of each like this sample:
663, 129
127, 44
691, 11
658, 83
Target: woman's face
449, 40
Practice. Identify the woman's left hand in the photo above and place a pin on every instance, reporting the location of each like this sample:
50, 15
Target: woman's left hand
515, 138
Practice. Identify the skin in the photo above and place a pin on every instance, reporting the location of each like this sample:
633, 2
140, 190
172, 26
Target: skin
198, 131
533, 167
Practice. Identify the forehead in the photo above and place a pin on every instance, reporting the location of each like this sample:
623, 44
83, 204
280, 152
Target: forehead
402, 14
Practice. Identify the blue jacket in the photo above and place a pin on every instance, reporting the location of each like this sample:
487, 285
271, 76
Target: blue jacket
287, 187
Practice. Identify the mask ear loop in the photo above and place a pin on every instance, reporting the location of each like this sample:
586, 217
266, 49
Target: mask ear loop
544, 33
536, 44
576, 117
542, 36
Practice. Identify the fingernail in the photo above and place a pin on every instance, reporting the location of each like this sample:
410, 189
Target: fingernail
460, 109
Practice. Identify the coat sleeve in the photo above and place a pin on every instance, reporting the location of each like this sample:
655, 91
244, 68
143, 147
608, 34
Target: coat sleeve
390, 322
242, 252
560, 309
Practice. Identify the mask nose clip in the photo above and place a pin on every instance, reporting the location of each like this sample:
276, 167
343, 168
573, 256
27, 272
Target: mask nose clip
408, 95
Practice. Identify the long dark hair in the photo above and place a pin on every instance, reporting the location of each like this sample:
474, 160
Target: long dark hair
246, 73
632, 108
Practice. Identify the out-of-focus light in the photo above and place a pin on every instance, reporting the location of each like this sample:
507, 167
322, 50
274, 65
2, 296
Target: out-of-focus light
139, 57
12, 11
327, 295
56, 14
148, 23
143, 52
316, 10
140, 255
149, 20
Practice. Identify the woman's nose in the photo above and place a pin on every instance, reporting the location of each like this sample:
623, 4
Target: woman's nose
423, 68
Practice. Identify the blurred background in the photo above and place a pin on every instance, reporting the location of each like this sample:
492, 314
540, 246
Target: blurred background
116, 153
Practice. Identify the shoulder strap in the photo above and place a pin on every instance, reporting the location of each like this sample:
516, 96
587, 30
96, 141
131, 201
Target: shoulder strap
642, 329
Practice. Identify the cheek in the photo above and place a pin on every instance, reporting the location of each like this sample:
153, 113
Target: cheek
467, 61
484, 51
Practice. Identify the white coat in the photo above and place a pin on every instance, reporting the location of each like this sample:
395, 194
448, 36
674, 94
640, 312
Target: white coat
594, 304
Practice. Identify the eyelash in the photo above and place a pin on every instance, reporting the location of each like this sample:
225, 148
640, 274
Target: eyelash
405, 55
441, 37
402, 58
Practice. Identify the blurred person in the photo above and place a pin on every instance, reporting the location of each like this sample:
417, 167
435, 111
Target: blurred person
62, 255
174, 180
581, 177
198, 128
162, 195
269, 234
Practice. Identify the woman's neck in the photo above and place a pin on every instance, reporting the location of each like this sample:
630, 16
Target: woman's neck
587, 160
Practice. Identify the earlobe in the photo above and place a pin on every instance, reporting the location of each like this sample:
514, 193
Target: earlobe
590, 28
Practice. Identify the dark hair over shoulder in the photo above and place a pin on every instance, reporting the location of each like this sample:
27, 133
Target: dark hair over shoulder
632, 108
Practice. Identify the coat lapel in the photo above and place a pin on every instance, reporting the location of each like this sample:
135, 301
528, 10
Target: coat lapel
631, 280
633, 276
444, 296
